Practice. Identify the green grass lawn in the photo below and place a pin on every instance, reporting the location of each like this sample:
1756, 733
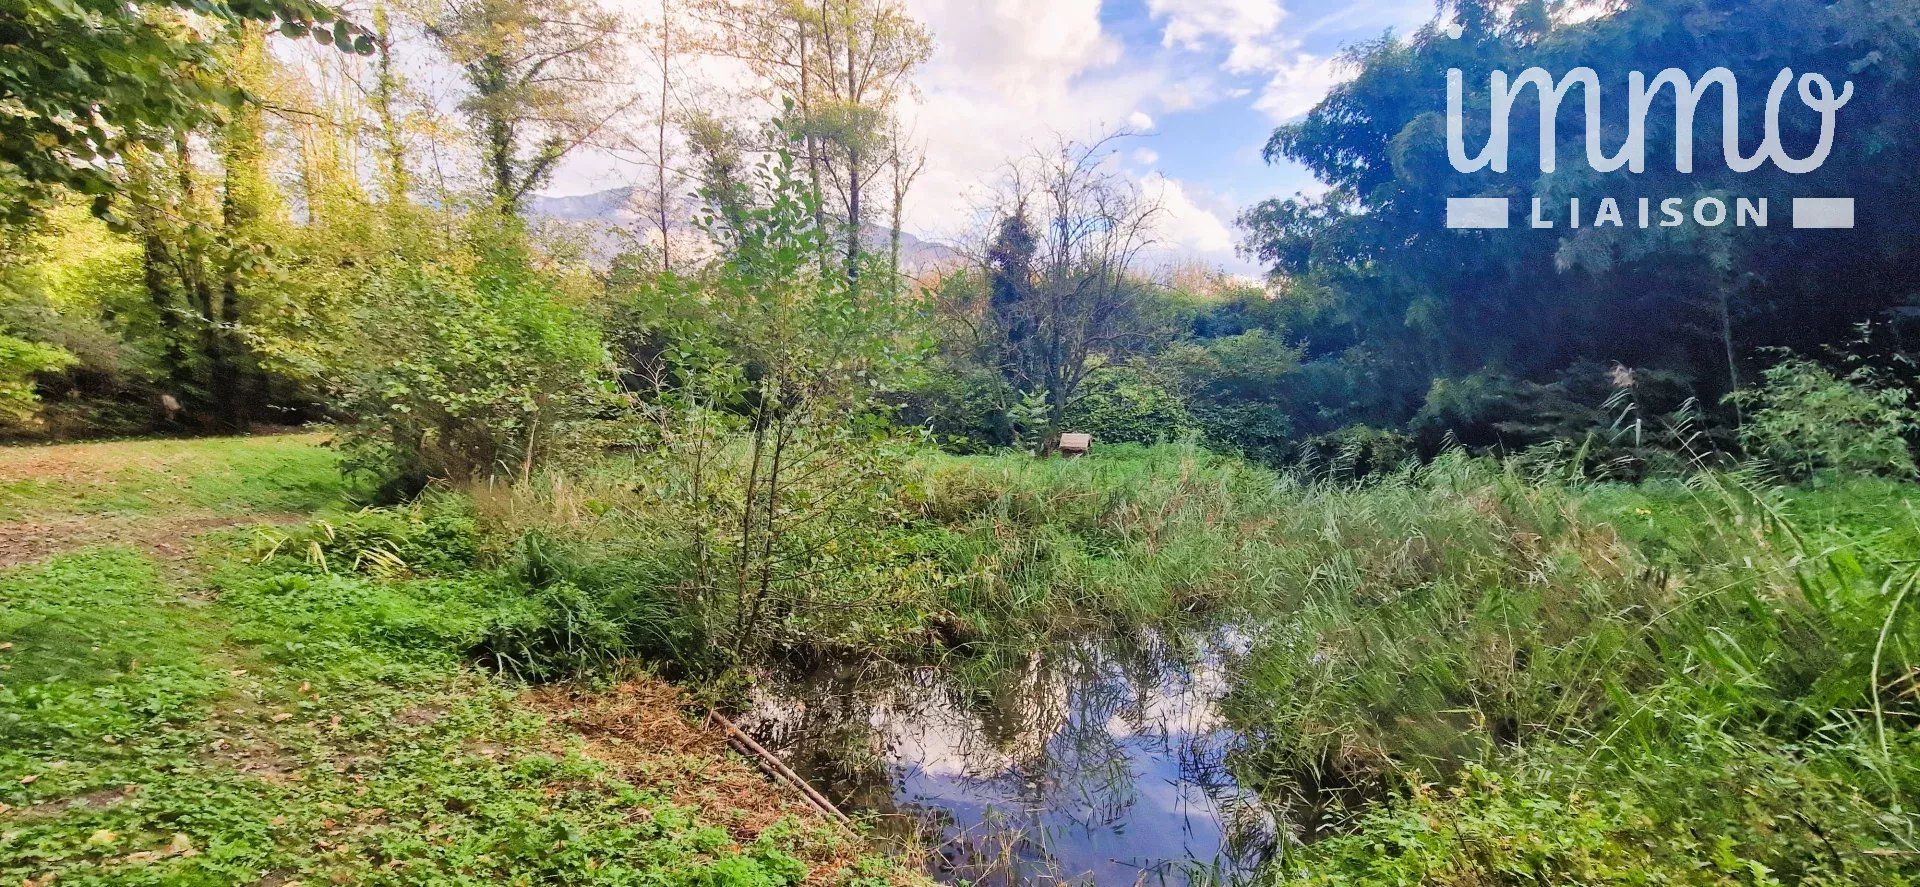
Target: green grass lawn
283, 473
262, 720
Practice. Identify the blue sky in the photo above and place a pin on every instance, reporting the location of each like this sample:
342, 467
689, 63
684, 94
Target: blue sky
1206, 81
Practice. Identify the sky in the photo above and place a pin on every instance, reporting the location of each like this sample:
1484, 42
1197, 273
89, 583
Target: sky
1203, 82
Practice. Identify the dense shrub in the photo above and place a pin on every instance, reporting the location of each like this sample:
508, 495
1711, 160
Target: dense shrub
1671, 816
1613, 422
1805, 420
964, 407
1127, 404
20, 362
1240, 390
1673, 677
1354, 452
531, 607
470, 372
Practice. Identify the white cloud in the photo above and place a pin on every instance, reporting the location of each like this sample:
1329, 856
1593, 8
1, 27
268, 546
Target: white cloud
1242, 24
1299, 84
1250, 29
1018, 45
1009, 74
1184, 224
1146, 156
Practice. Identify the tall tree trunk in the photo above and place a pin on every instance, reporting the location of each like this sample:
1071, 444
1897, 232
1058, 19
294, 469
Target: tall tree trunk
1725, 310
153, 272
195, 286
854, 183
242, 206
812, 142
394, 182
660, 146
853, 214
497, 131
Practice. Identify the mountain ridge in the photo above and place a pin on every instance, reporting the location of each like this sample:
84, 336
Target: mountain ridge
614, 209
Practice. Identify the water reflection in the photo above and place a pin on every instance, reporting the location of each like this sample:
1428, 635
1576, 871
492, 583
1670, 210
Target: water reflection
1087, 763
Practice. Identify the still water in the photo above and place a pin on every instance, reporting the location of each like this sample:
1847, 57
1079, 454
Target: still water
1084, 763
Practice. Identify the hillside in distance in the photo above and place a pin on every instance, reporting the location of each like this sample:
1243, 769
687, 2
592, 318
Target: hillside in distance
613, 220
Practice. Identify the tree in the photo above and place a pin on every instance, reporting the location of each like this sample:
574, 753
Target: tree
1063, 290
843, 65
80, 81
868, 48
785, 426
205, 247
1385, 297
542, 81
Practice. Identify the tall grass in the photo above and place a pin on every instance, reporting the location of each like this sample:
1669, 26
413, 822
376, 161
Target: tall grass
1469, 672
1136, 535
1710, 681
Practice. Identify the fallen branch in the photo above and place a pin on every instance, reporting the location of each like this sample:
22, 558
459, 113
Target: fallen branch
778, 771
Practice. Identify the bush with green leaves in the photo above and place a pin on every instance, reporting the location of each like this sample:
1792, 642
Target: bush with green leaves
1128, 404
1355, 451
1806, 421
470, 370
1238, 390
20, 362
964, 406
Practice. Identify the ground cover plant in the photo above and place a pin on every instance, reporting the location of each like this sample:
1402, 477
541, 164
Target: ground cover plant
269, 714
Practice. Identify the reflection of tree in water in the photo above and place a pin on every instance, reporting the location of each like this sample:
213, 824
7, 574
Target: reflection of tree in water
821, 726
1020, 761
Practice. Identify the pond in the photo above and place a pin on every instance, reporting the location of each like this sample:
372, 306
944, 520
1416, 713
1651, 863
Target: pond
1088, 762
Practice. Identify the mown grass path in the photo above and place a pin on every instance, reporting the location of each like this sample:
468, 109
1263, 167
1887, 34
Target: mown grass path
156, 495
174, 712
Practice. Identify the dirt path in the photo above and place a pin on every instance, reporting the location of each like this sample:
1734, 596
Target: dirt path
100, 463
65, 497
166, 538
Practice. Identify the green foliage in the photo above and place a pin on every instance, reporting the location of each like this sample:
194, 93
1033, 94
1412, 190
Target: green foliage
1806, 421
539, 610
1030, 416
469, 372
964, 406
767, 867
1369, 269
436, 535
1127, 404
1356, 451
1672, 678
1128, 536
70, 285
86, 78
1238, 389
20, 362
776, 445
1663, 818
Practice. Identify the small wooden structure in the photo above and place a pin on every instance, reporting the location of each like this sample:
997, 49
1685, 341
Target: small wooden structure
1074, 443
